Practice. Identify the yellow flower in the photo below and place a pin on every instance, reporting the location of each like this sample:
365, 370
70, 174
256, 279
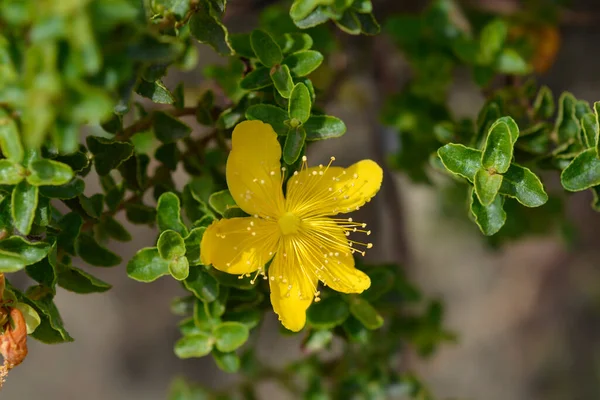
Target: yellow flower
297, 231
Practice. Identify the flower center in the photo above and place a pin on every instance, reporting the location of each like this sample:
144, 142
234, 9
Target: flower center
289, 223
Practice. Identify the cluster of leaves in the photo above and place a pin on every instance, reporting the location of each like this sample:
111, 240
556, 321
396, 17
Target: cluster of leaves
66, 64
356, 320
485, 151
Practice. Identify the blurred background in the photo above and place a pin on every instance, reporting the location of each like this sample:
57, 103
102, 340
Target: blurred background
527, 314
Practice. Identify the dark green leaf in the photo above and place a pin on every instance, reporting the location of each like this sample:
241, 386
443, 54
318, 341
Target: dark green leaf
10, 173
30, 252
522, 184
78, 161
202, 284
169, 129
299, 104
49, 172
270, 114
230, 335
327, 313
460, 160
202, 319
282, 79
303, 62
240, 43
108, 155
382, 281
155, 91
92, 253
294, 41
567, 124
543, 106
368, 23
24, 203
316, 17
114, 229
147, 265
265, 48
491, 218
206, 27
169, 155
355, 330
363, 311
140, 213
168, 213
77, 280
583, 172
70, 226
51, 329
43, 272
197, 345
257, 79
349, 23
66, 191
294, 142
228, 362
319, 127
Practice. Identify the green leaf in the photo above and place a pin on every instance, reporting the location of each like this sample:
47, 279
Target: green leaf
24, 203
92, 253
147, 265
491, 41
192, 245
294, 142
227, 362
32, 318
66, 191
382, 281
589, 130
249, 317
266, 49
43, 272
240, 43
524, 186
282, 79
169, 129
108, 154
179, 268
316, 17
583, 172
302, 63
170, 245
197, 345
327, 313
221, 201
114, 229
498, 151
270, 114
78, 281
230, 335
169, 155
10, 173
491, 218
302, 8
30, 252
511, 62
567, 124
93, 206
355, 330
70, 227
363, 311
10, 262
368, 24
596, 140
49, 172
202, 284
487, 186
10, 142
320, 127
294, 41
168, 214
460, 160
299, 104
155, 91
140, 213
317, 340
349, 22
207, 28
51, 328
202, 319
217, 307
257, 79
78, 161
543, 106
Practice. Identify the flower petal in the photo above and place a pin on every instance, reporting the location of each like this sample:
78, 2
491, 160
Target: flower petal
293, 286
239, 245
253, 169
319, 191
330, 252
